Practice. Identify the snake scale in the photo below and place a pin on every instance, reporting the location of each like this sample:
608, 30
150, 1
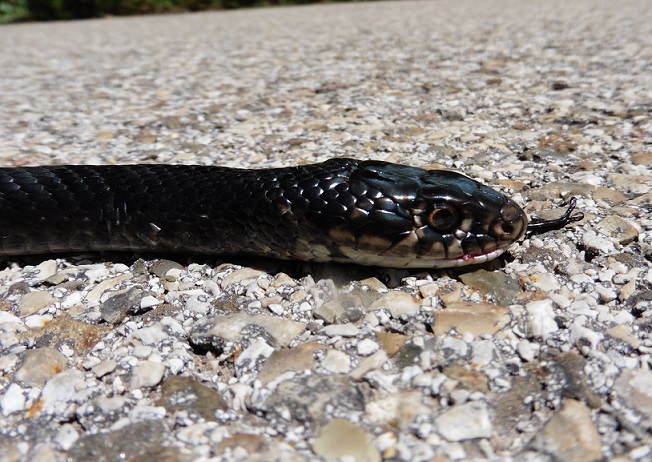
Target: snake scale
343, 210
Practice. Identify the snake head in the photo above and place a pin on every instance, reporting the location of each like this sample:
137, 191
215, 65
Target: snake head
463, 220
410, 217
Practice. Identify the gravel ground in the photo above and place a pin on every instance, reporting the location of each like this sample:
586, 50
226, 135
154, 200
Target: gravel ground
541, 356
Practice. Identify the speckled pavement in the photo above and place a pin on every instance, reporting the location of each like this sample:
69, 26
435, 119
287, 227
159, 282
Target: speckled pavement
543, 355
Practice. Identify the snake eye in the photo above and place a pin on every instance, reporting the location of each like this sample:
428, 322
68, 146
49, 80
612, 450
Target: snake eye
442, 218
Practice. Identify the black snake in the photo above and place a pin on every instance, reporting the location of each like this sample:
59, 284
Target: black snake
344, 210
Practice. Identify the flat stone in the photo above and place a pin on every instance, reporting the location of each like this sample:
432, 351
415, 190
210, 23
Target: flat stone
627, 181
65, 332
408, 355
618, 228
396, 410
104, 368
398, 303
331, 310
502, 287
43, 271
9, 451
161, 267
337, 362
558, 189
229, 327
249, 442
369, 364
642, 158
38, 365
298, 359
241, 276
132, 442
471, 318
634, 388
625, 334
608, 195
120, 303
191, 396
470, 379
340, 438
372, 283
305, 399
572, 367
391, 342
343, 330
32, 302
43, 453
96, 293
570, 434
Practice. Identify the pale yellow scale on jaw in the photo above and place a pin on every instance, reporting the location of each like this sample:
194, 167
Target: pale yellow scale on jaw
319, 252
410, 262
385, 255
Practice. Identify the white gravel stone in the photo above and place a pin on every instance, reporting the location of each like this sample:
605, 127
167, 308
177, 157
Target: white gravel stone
366, 347
149, 301
229, 327
110, 404
151, 335
146, 374
60, 390
341, 330
483, 352
464, 422
541, 318
399, 303
336, 362
72, 299
257, 350
13, 400
600, 244
66, 436
196, 434
104, 368
580, 333
199, 303
525, 350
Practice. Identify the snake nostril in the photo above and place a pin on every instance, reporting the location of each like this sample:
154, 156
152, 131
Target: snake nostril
507, 228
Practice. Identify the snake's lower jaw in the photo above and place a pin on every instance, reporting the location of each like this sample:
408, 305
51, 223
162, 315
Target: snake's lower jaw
468, 260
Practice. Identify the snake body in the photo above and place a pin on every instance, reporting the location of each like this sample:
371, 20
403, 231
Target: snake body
344, 210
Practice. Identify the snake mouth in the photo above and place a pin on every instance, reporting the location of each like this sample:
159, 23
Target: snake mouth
470, 259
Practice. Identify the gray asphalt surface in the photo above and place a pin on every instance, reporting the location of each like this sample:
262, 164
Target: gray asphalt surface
545, 356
